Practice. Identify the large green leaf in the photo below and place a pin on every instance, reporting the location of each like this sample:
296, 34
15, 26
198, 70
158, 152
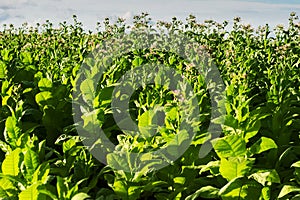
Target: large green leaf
145, 124
11, 163
45, 84
88, 90
263, 144
266, 175
178, 144
150, 120
120, 188
120, 161
31, 193
207, 192
6, 55
12, 130
31, 161
287, 189
235, 167
241, 189
229, 146
137, 61
43, 98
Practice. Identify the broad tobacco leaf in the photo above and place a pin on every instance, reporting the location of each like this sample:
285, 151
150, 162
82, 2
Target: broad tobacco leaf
229, 146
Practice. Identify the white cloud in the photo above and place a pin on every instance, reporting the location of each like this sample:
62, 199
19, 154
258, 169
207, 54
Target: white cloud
13, 3
92, 11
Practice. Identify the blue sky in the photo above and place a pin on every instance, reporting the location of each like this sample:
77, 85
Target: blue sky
255, 12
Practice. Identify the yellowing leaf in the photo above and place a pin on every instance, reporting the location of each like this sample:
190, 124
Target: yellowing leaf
6, 188
31, 193
11, 163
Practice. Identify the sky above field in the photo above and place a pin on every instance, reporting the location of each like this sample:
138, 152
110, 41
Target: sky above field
89, 12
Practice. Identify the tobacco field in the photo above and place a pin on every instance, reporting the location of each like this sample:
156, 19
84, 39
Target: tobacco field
255, 157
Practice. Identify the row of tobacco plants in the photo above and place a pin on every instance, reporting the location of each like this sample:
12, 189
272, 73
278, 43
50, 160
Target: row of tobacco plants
257, 155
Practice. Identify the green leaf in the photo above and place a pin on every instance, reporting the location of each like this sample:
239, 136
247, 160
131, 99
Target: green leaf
178, 145
232, 168
120, 161
120, 188
3, 70
229, 146
6, 55
61, 187
286, 189
251, 132
150, 120
12, 131
31, 193
266, 175
296, 164
263, 144
48, 193
207, 192
41, 173
145, 125
6, 188
88, 90
145, 119
31, 161
172, 59
67, 145
45, 84
137, 61
5, 147
11, 163
104, 97
80, 196
26, 57
179, 180
265, 193
241, 189
43, 98
213, 167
